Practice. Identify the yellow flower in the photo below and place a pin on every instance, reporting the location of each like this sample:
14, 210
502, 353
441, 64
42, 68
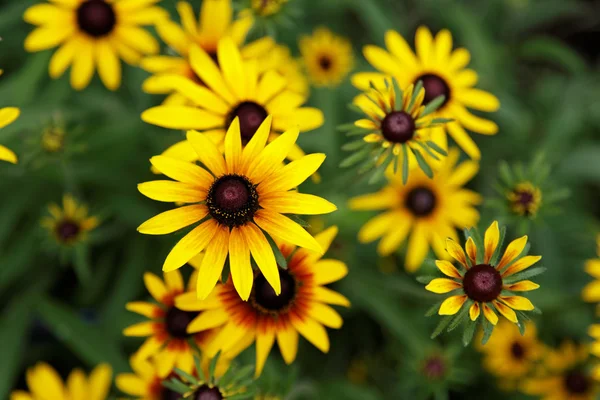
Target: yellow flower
93, 34
70, 224
442, 72
280, 59
214, 23
429, 210
591, 292
566, 378
53, 139
45, 383
166, 326
525, 199
328, 58
7, 116
510, 355
234, 89
238, 198
485, 281
267, 7
397, 121
300, 307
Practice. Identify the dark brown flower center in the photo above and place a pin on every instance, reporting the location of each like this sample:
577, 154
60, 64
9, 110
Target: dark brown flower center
263, 297
232, 200
517, 350
434, 87
482, 283
434, 368
251, 116
577, 382
398, 127
325, 63
67, 230
420, 201
168, 394
177, 321
206, 393
96, 17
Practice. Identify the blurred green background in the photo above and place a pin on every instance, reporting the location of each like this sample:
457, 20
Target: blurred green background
539, 57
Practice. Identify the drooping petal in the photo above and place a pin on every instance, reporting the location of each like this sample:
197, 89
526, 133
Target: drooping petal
313, 331
239, 263
263, 254
264, 343
213, 262
452, 304
191, 244
471, 250
287, 339
489, 314
506, 311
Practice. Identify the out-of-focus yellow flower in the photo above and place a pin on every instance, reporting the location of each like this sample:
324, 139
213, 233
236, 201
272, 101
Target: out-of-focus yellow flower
71, 223
327, 57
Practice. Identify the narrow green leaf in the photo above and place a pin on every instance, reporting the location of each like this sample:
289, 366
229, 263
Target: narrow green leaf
437, 121
422, 163
488, 329
425, 279
213, 366
176, 386
498, 251
460, 316
527, 274
399, 94
404, 164
428, 150
354, 158
354, 145
347, 127
433, 309
506, 174
279, 257
444, 322
185, 376
437, 148
433, 105
469, 332
415, 94
81, 265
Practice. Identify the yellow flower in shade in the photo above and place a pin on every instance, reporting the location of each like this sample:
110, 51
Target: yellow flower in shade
238, 198
93, 34
525, 199
70, 224
166, 327
399, 130
510, 355
301, 307
45, 383
442, 71
485, 281
427, 210
215, 22
267, 7
327, 57
145, 383
234, 89
7, 116
591, 292
594, 331
566, 377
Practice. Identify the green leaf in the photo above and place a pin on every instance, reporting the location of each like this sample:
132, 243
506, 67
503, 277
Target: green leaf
428, 151
87, 341
213, 366
415, 94
469, 332
433, 105
404, 164
185, 376
437, 121
81, 265
460, 317
347, 127
176, 386
506, 174
355, 108
498, 250
527, 274
444, 322
554, 51
422, 163
437, 148
425, 279
354, 158
354, 145
399, 94
279, 257
488, 329
433, 309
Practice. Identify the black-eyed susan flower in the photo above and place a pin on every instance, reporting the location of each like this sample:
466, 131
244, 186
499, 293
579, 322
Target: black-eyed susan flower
399, 131
591, 292
302, 306
567, 375
234, 89
486, 282
214, 22
425, 210
443, 73
93, 34
327, 57
45, 383
525, 192
240, 199
8, 115
70, 224
267, 7
166, 328
511, 356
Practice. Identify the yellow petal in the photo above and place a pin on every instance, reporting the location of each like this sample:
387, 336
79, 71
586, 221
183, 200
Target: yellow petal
313, 331
239, 263
7, 155
183, 171
522, 286
329, 271
591, 292
209, 319
191, 244
109, 65
208, 153
489, 314
452, 304
518, 302
456, 252
471, 250
287, 338
173, 220
506, 311
8, 115
156, 287
131, 384
264, 343
44, 382
271, 157
182, 117
77, 385
170, 191
213, 262
442, 285
296, 203
174, 281
99, 382
325, 315
474, 311
256, 144
48, 36
521, 264
448, 269
205, 68
418, 246
329, 296
293, 174
141, 329
141, 307
263, 255
286, 230
232, 66
83, 65
512, 251
490, 241
233, 147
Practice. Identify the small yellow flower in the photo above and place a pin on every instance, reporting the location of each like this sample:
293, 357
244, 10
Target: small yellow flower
53, 139
591, 292
45, 383
327, 57
267, 7
93, 34
484, 281
70, 224
525, 199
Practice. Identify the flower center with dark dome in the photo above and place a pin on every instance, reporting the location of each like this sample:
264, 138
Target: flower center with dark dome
232, 200
576, 382
96, 17
251, 116
482, 283
524, 200
67, 230
398, 127
517, 350
434, 87
263, 296
177, 321
207, 393
434, 368
325, 62
168, 394
420, 201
